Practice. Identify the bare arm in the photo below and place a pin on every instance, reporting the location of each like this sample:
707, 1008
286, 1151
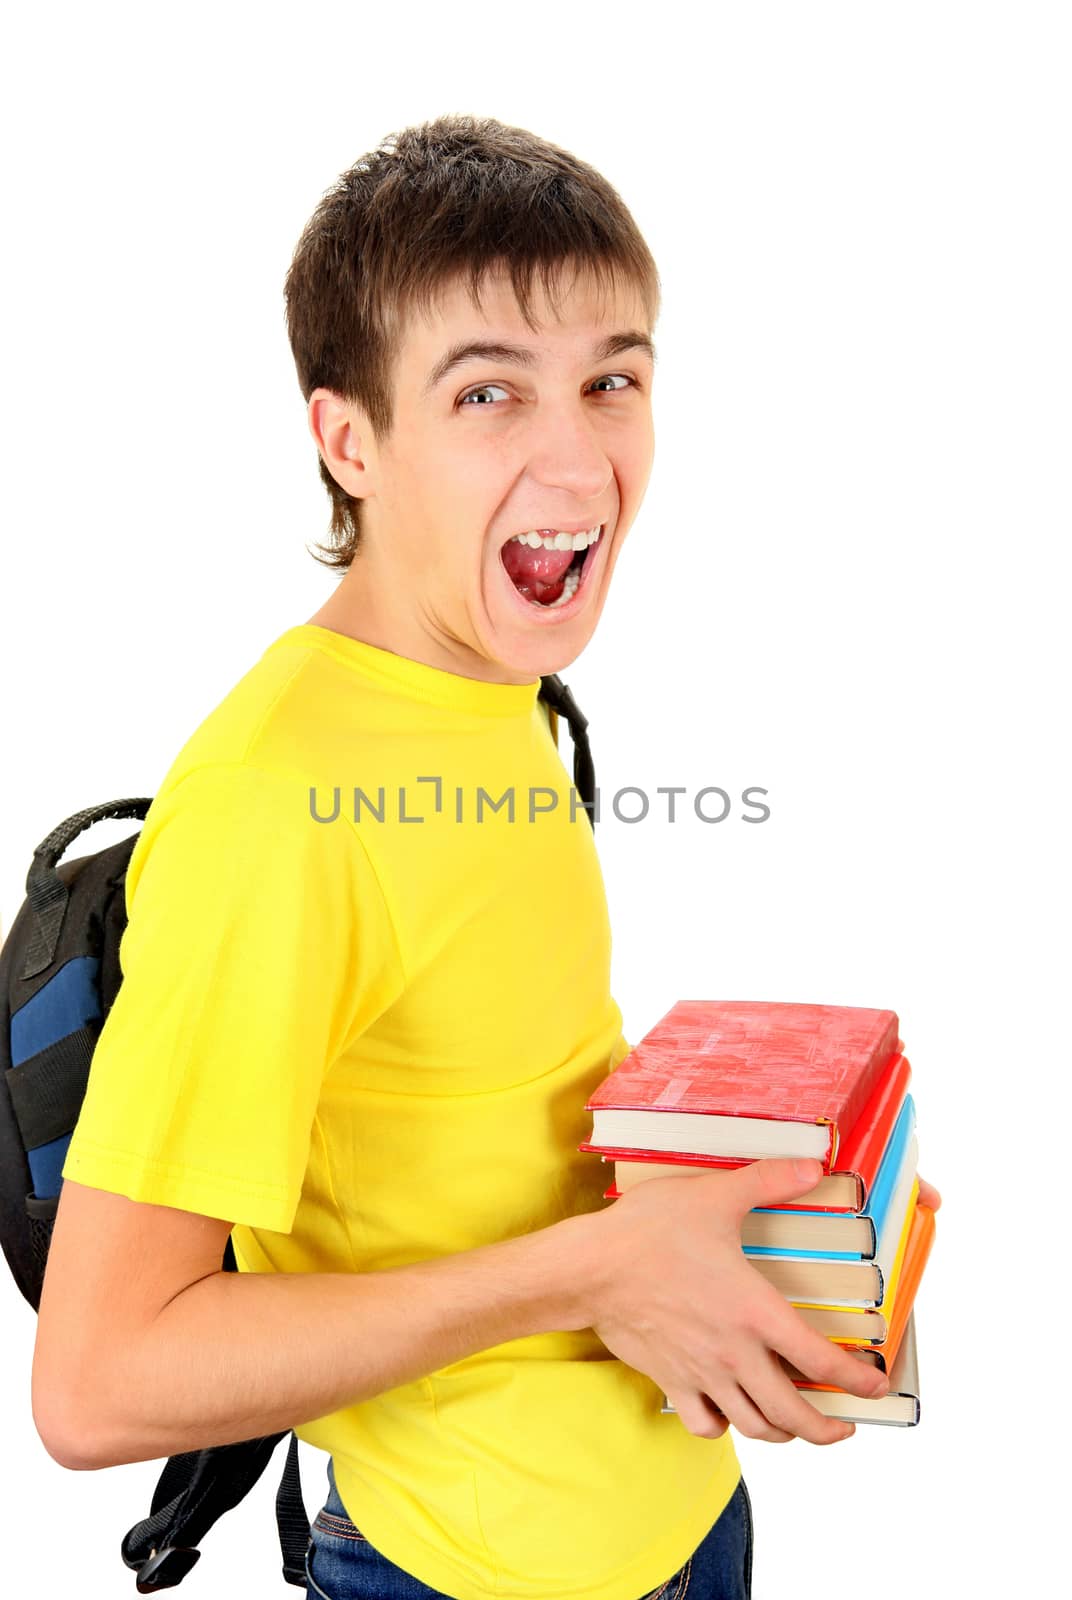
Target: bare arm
146, 1349
234, 1356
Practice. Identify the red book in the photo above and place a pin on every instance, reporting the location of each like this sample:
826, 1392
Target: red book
846, 1187
745, 1079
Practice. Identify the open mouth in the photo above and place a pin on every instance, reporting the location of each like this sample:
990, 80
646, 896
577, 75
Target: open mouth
544, 574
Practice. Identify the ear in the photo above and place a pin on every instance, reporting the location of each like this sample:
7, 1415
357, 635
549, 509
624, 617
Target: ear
343, 435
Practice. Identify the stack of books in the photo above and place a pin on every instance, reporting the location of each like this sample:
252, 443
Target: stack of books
722, 1083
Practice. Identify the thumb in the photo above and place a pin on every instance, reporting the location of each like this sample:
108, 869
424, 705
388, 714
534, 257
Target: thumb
773, 1180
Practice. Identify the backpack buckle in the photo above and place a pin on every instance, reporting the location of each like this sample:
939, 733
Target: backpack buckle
165, 1568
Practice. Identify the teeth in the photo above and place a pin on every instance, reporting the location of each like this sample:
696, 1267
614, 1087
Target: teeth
558, 541
569, 589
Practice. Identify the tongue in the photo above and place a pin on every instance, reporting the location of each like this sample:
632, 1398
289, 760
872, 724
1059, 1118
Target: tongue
537, 574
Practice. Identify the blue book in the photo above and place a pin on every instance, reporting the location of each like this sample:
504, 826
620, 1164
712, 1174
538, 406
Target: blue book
841, 1277
834, 1236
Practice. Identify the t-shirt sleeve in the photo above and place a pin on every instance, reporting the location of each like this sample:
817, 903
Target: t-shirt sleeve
258, 945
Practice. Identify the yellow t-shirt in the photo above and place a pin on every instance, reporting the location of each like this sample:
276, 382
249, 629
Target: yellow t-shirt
368, 1043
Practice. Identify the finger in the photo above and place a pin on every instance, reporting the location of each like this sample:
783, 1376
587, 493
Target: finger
862, 1356
769, 1181
746, 1416
783, 1408
699, 1414
821, 1359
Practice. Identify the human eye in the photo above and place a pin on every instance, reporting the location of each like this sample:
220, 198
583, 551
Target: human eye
485, 388
626, 379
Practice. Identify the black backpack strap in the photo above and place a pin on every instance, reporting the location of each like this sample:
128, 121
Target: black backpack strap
197, 1488
193, 1492
558, 697
291, 1518
47, 892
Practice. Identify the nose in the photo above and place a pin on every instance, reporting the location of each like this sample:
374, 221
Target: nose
568, 454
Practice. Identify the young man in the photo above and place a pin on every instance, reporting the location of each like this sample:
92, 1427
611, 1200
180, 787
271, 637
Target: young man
366, 973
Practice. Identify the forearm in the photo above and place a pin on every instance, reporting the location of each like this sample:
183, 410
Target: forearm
240, 1355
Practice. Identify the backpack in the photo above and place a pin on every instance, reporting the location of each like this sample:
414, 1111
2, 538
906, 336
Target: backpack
59, 975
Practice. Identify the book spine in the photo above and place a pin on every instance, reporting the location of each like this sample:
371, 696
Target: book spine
861, 1151
885, 1053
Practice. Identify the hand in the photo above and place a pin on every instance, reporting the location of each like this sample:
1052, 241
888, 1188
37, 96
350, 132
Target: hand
671, 1293
928, 1195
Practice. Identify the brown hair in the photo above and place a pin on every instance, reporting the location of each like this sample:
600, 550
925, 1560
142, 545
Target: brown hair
447, 201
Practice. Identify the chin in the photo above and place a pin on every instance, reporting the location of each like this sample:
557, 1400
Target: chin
537, 650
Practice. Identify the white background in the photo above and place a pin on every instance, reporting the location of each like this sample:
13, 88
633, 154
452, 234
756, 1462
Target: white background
847, 585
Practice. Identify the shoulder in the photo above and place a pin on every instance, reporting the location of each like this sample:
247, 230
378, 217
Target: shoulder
282, 714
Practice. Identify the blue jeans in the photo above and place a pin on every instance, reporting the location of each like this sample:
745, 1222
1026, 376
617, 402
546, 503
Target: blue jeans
340, 1564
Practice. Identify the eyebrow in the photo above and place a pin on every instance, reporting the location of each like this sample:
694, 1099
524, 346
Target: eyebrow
518, 355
